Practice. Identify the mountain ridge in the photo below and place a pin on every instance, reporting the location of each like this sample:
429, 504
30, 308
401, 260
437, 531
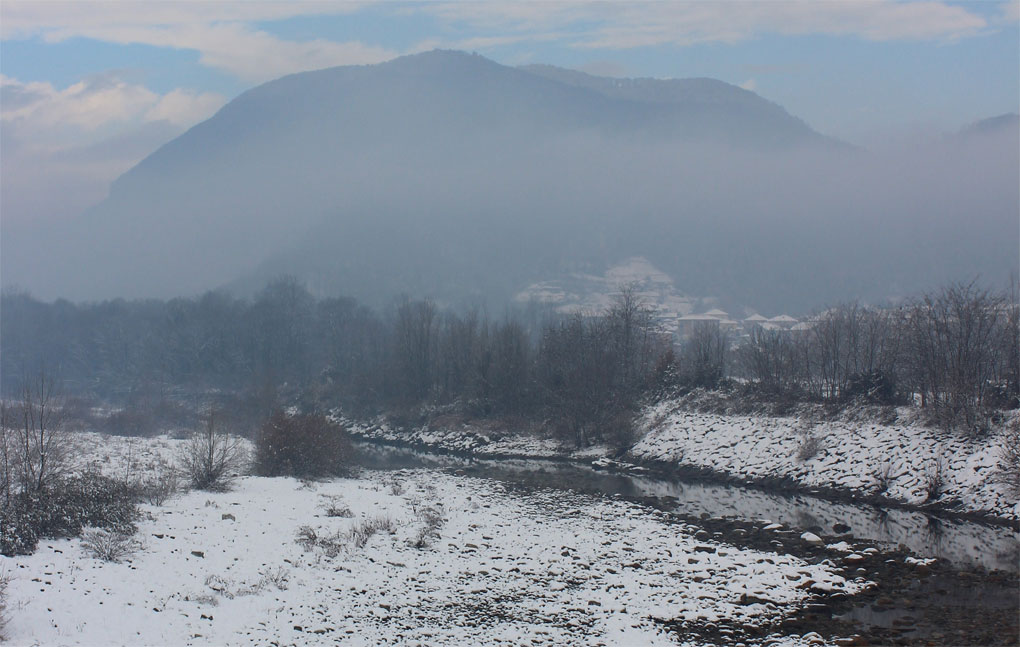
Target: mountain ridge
449, 175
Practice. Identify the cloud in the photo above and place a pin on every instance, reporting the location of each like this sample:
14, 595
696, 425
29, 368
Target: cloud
641, 24
92, 106
61, 147
749, 84
252, 55
220, 32
233, 36
1010, 12
26, 18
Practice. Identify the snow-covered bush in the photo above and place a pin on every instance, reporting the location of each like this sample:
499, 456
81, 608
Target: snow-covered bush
4, 581
359, 534
212, 457
308, 445
108, 545
1008, 471
935, 478
157, 488
335, 506
431, 520
64, 508
809, 447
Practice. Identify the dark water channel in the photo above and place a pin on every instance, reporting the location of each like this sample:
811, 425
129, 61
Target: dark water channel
965, 544
969, 596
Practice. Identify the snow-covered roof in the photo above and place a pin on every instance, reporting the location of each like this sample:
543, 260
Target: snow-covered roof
783, 319
805, 325
718, 313
756, 317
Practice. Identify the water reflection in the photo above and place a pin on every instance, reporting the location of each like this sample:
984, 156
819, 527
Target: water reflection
960, 542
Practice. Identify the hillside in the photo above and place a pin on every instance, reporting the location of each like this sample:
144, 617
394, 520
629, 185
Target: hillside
447, 174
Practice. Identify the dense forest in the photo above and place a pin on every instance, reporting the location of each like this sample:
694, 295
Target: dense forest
954, 352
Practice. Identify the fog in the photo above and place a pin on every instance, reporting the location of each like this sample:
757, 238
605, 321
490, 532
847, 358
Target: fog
453, 177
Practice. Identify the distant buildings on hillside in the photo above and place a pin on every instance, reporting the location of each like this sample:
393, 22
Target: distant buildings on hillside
719, 320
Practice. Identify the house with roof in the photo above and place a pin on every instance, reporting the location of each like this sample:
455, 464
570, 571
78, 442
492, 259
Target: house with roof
687, 324
784, 321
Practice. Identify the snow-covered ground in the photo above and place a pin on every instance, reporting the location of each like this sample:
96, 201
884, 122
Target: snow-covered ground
545, 567
468, 439
850, 456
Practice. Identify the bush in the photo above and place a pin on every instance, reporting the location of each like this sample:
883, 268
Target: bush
335, 506
64, 508
212, 458
934, 479
108, 545
1008, 470
303, 446
809, 447
157, 488
876, 387
431, 522
4, 581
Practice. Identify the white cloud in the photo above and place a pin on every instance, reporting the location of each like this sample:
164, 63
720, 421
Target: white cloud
61, 147
24, 18
219, 31
1011, 12
749, 84
638, 24
183, 107
91, 108
226, 37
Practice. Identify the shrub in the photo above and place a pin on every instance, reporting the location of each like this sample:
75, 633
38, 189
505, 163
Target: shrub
876, 387
935, 479
883, 478
212, 458
157, 488
334, 506
809, 447
5, 579
1008, 470
308, 446
432, 521
108, 545
361, 532
356, 536
64, 508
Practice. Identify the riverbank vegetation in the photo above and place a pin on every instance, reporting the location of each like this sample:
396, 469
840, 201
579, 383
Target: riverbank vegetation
954, 353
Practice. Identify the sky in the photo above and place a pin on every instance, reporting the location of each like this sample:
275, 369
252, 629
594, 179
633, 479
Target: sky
87, 89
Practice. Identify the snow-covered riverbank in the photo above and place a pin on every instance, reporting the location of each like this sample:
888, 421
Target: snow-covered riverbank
859, 458
895, 461
504, 567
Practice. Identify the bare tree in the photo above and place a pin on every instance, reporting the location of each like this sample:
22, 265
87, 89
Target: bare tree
40, 445
415, 339
211, 457
7, 449
769, 359
630, 321
951, 340
704, 355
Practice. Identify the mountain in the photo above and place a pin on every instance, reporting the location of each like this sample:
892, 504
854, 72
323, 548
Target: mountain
993, 125
447, 174
708, 108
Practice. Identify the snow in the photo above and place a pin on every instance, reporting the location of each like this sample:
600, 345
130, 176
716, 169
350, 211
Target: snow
508, 567
852, 456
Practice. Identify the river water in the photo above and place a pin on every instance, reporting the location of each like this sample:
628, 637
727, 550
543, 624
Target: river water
965, 544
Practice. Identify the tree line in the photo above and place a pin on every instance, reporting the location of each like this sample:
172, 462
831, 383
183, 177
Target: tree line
581, 374
954, 351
